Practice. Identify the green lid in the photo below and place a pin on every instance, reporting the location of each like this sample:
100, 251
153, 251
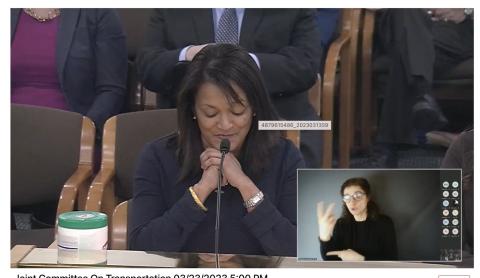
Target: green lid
82, 220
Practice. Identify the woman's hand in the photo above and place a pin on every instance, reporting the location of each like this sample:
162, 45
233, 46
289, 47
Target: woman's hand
326, 221
347, 255
232, 170
207, 183
211, 158
210, 163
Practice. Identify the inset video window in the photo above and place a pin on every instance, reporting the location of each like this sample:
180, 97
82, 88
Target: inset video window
379, 215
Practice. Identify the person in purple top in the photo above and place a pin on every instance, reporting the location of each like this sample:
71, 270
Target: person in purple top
71, 59
222, 96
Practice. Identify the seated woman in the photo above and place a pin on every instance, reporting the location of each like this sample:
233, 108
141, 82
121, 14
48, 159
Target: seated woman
173, 209
362, 233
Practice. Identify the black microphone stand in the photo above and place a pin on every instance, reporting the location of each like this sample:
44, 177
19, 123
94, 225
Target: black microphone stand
224, 149
217, 220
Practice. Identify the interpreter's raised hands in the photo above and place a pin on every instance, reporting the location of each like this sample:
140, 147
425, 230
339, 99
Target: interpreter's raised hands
326, 221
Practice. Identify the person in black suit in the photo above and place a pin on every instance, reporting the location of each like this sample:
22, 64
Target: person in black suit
285, 43
419, 43
84, 67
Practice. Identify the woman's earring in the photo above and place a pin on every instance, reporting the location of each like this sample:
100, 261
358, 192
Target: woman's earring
194, 118
254, 114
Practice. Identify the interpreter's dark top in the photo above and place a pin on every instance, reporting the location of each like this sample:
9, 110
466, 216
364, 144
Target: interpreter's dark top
165, 217
373, 239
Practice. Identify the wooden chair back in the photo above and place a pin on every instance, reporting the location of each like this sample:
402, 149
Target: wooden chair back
339, 76
124, 136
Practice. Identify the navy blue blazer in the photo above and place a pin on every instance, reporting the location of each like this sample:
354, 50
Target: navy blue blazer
164, 217
91, 59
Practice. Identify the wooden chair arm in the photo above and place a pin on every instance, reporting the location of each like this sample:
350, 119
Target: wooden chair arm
87, 142
294, 136
367, 110
333, 56
101, 196
367, 36
118, 230
328, 92
80, 180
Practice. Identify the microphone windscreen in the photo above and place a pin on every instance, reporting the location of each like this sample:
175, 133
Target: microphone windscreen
225, 146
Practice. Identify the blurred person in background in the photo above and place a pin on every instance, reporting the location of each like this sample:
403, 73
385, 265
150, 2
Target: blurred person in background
70, 59
419, 43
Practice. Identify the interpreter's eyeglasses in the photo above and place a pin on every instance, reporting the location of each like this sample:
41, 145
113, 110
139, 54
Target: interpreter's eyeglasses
357, 196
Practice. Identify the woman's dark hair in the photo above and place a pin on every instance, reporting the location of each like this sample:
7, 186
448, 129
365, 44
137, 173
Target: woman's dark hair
225, 65
372, 208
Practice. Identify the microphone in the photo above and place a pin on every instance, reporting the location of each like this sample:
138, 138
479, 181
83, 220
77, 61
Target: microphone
224, 146
224, 149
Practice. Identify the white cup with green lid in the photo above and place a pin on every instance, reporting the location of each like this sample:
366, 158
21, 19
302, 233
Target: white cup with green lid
82, 237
